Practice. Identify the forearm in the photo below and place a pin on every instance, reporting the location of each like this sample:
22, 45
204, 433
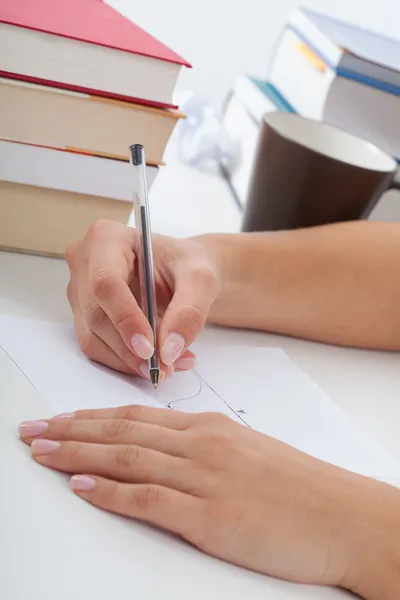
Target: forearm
371, 522
337, 284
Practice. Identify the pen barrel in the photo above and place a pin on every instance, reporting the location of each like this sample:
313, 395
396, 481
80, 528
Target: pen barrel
144, 258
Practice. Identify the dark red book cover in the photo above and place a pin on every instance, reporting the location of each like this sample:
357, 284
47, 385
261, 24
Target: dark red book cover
90, 21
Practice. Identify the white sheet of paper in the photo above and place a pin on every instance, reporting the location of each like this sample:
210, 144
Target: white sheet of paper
261, 388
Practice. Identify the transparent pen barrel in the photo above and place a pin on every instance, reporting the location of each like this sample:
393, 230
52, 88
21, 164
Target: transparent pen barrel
144, 262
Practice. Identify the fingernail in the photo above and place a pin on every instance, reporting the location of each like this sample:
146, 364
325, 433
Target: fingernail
161, 378
172, 348
142, 347
44, 446
32, 428
145, 370
82, 483
65, 416
170, 370
185, 364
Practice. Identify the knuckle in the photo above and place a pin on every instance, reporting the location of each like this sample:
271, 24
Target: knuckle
62, 427
97, 228
87, 344
147, 498
71, 253
70, 292
192, 319
118, 428
103, 286
132, 413
72, 453
204, 276
128, 456
213, 420
128, 358
87, 414
124, 320
212, 444
95, 316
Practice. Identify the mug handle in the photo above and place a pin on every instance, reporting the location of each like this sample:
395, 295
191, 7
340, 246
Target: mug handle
395, 183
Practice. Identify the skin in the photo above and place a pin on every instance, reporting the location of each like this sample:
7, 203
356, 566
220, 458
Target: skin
222, 487
103, 293
229, 490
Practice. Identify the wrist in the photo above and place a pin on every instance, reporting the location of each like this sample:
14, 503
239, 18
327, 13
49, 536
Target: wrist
372, 540
228, 253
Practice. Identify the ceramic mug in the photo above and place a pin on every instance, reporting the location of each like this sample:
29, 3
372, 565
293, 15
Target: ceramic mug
309, 173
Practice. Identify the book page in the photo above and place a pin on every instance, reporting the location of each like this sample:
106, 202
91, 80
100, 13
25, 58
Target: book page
261, 388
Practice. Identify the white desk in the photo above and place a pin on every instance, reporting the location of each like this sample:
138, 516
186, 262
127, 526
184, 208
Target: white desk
53, 545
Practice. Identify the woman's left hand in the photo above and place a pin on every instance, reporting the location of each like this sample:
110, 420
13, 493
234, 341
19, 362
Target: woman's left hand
229, 490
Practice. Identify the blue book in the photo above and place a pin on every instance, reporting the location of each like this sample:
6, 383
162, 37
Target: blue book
352, 52
259, 97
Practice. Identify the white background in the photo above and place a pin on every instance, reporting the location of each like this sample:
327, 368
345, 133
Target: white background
222, 38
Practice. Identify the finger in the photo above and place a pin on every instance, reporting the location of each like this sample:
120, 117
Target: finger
113, 354
123, 462
96, 349
108, 282
186, 314
90, 344
99, 323
169, 509
106, 431
186, 362
164, 417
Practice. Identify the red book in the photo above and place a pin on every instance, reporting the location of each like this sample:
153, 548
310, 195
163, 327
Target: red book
85, 45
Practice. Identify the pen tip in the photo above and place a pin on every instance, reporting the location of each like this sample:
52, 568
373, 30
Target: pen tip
154, 377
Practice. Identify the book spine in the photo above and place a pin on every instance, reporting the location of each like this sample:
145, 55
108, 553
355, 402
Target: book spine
91, 92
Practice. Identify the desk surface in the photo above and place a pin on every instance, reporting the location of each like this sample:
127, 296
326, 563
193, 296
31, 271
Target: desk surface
55, 545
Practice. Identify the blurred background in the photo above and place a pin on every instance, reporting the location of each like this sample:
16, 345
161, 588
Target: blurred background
75, 91
222, 39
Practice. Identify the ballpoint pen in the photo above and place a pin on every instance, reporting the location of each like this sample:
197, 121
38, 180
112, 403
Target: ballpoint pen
145, 252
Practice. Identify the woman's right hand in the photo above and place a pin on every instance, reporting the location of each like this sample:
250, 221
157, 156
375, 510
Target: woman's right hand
104, 296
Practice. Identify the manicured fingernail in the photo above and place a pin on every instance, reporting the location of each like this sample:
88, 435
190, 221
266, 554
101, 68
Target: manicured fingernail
185, 364
172, 348
82, 483
65, 416
44, 446
32, 428
161, 378
170, 370
145, 370
142, 347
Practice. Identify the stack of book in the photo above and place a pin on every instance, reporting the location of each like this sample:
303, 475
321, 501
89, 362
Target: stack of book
323, 69
79, 83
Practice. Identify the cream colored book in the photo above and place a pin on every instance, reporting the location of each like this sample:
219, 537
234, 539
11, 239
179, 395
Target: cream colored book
49, 198
52, 117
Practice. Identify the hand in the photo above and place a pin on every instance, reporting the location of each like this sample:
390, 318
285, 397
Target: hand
229, 490
103, 293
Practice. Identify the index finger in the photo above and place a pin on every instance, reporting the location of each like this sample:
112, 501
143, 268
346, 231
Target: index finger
109, 272
163, 417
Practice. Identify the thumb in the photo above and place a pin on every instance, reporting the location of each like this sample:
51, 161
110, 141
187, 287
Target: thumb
187, 313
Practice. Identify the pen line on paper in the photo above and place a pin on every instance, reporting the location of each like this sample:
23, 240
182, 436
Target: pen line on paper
20, 369
201, 383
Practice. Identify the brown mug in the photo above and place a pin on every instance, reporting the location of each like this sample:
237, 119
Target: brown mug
309, 173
